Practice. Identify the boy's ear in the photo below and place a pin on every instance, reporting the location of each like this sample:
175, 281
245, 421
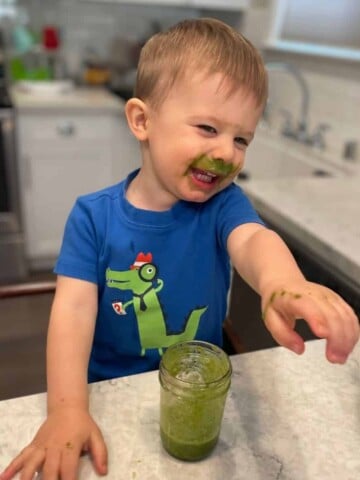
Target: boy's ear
136, 112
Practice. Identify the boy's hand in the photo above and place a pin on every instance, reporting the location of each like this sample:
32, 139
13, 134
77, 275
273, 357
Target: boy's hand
57, 446
326, 313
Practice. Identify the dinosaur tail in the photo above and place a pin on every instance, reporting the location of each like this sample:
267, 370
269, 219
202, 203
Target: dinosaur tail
192, 324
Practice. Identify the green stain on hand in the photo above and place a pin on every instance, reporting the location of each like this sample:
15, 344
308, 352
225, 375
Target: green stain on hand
272, 298
282, 293
269, 302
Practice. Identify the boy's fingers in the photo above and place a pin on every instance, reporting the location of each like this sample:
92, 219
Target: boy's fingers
29, 461
33, 465
51, 467
282, 332
343, 335
334, 356
327, 318
313, 316
292, 307
352, 330
11, 469
98, 451
340, 329
69, 464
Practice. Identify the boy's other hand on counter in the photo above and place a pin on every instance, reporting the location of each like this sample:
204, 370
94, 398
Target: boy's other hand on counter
57, 446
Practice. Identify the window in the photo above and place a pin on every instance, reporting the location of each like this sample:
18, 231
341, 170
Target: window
7, 8
321, 27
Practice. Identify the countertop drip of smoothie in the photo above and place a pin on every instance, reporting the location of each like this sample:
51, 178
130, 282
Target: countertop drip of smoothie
195, 377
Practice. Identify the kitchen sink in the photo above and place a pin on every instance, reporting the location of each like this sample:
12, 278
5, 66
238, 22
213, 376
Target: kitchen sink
270, 157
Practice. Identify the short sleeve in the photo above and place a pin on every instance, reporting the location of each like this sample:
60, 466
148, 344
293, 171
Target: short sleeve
78, 256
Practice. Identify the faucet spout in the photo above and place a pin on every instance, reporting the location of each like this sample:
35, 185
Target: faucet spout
305, 94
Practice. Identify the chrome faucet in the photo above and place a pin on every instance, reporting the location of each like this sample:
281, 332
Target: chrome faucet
299, 131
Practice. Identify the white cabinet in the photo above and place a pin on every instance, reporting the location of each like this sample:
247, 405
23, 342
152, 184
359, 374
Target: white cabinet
61, 156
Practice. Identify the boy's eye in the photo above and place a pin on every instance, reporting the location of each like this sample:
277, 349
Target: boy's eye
241, 141
207, 128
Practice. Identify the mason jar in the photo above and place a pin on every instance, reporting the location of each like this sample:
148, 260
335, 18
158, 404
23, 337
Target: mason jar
195, 377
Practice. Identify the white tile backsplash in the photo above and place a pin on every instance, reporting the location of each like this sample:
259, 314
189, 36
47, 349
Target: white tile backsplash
91, 24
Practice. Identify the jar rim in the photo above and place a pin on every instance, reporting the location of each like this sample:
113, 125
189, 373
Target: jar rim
208, 347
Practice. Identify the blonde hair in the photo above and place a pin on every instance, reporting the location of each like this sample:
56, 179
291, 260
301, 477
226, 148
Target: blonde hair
202, 45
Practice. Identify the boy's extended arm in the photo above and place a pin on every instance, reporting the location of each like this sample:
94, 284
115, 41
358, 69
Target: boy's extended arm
261, 257
69, 429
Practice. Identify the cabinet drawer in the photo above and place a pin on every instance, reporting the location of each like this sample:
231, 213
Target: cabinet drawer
58, 127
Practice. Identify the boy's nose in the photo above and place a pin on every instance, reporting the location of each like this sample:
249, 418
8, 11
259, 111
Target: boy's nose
224, 149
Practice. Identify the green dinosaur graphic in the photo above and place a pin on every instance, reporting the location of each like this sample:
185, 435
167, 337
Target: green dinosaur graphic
147, 307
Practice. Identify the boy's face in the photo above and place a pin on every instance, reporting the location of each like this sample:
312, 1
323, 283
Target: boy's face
197, 139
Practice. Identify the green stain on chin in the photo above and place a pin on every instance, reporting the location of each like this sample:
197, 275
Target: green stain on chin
213, 165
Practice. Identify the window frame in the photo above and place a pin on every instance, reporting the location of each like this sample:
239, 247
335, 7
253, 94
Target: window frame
275, 42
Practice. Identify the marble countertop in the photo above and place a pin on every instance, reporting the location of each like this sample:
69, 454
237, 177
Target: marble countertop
79, 98
320, 212
286, 418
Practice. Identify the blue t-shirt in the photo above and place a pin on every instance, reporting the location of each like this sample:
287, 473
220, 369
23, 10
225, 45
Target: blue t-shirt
162, 277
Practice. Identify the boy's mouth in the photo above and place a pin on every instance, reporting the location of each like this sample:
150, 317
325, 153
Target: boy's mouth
204, 176
208, 170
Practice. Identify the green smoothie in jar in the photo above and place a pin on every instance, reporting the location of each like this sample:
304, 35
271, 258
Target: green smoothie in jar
195, 378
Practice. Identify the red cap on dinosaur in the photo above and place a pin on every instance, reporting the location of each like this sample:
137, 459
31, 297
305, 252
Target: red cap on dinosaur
141, 259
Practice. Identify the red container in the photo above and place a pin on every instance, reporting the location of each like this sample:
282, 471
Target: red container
50, 37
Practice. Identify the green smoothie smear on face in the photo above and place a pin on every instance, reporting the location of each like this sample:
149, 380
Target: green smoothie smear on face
216, 166
195, 377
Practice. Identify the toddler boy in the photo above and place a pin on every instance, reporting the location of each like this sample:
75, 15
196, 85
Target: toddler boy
146, 263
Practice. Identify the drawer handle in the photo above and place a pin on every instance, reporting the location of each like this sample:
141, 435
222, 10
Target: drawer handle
66, 129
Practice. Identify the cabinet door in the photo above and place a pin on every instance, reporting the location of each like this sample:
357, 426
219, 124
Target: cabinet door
55, 177
61, 157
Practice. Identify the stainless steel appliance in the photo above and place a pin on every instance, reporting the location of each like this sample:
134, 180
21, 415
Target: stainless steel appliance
12, 254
